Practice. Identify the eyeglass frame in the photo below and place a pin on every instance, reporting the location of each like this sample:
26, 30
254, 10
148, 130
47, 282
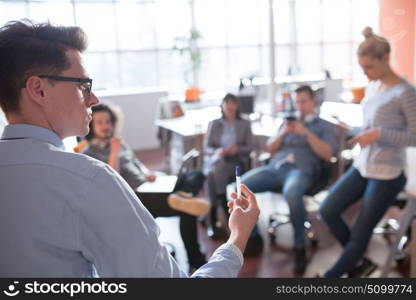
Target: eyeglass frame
88, 81
71, 79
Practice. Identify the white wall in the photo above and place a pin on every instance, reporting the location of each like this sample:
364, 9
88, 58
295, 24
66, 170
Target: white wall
3, 121
139, 109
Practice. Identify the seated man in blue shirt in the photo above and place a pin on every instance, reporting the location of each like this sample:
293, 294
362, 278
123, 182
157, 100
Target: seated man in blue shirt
299, 148
104, 146
66, 214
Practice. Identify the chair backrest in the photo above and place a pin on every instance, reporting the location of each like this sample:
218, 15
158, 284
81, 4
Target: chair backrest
170, 109
189, 161
327, 174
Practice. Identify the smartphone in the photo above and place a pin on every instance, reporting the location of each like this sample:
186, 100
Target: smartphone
290, 118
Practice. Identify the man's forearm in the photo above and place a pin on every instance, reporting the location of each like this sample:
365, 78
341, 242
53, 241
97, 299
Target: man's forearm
322, 149
274, 145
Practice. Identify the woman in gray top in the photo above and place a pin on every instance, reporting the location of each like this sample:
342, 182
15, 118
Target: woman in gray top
228, 144
376, 176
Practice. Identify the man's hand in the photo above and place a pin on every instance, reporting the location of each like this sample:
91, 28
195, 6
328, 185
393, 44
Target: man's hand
366, 138
286, 128
150, 177
244, 214
298, 128
115, 145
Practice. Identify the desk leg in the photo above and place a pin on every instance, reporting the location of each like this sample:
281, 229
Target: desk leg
413, 251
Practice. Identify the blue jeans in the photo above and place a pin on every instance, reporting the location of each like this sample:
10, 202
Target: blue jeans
377, 196
289, 180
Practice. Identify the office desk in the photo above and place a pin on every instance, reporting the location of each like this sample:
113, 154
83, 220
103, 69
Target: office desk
188, 131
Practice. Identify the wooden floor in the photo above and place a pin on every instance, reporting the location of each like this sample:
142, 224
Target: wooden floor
276, 259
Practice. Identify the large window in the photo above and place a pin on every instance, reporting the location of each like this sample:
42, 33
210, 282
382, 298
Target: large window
131, 40
328, 32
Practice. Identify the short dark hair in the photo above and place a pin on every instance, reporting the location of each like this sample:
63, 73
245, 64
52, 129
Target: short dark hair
28, 49
234, 99
99, 108
306, 89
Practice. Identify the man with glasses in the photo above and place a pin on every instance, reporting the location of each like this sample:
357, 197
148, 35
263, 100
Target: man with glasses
65, 214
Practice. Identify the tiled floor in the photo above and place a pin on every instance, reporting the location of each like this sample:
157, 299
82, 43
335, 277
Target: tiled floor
276, 259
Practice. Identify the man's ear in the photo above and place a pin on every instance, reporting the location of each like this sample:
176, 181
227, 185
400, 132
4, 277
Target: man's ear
35, 88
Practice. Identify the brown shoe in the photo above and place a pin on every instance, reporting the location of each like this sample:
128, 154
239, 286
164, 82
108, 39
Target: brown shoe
193, 206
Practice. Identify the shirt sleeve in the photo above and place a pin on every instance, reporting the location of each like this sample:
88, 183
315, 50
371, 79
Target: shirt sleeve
216, 266
120, 237
209, 147
403, 138
329, 136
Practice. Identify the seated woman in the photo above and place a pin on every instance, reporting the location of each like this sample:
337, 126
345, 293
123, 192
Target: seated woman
107, 148
227, 144
376, 176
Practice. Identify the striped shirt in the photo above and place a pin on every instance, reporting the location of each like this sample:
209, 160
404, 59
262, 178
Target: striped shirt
393, 110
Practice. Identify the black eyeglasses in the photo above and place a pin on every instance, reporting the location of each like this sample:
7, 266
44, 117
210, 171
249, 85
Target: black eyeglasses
85, 83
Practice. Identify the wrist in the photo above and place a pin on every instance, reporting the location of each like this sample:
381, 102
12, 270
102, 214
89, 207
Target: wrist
239, 240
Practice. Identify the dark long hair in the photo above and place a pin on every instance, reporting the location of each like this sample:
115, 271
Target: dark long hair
234, 99
98, 108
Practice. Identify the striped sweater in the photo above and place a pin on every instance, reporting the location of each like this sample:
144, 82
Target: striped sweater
393, 110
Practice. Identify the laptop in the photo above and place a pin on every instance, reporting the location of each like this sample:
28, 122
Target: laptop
167, 183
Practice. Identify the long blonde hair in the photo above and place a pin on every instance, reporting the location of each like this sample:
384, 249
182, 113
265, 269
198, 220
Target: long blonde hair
374, 45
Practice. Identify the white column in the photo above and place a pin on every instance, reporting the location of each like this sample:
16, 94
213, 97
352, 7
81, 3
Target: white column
272, 71
293, 37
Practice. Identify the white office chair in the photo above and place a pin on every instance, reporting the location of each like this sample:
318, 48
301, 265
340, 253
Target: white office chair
408, 213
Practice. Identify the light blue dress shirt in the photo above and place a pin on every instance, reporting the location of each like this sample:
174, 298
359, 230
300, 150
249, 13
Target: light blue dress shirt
68, 215
229, 135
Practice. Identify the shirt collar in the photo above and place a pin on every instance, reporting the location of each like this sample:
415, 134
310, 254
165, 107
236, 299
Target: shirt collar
24, 131
224, 122
309, 118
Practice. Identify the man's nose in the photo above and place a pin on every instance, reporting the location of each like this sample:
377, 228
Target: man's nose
92, 100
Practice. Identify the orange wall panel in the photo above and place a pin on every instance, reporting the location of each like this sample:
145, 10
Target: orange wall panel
397, 24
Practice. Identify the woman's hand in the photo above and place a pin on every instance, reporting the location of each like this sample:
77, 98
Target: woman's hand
366, 138
115, 145
231, 150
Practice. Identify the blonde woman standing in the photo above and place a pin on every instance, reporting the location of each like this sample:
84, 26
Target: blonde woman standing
376, 176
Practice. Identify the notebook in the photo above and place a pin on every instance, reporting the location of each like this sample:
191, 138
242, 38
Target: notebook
167, 183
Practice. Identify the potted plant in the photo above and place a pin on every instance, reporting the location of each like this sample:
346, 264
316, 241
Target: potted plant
188, 46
